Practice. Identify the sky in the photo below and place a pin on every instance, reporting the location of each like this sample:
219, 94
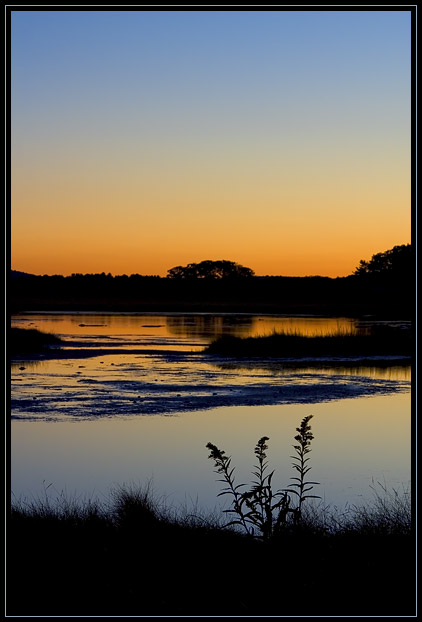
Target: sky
147, 139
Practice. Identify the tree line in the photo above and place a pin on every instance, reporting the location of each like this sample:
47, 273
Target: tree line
398, 261
383, 285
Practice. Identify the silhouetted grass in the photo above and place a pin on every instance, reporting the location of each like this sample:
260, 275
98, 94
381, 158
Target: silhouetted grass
381, 341
133, 555
29, 340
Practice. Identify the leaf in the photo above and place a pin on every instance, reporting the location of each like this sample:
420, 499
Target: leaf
295, 492
270, 477
251, 519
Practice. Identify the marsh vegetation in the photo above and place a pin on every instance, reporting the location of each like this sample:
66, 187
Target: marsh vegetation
135, 555
379, 341
274, 552
28, 340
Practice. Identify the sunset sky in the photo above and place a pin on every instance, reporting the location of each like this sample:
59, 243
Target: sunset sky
142, 140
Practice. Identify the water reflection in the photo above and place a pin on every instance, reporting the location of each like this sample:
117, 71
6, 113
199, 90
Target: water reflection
55, 368
211, 327
122, 388
356, 442
192, 326
109, 334
86, 324
387, 372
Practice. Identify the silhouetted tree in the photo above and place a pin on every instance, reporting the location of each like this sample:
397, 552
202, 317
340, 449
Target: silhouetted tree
398, 261
210, 270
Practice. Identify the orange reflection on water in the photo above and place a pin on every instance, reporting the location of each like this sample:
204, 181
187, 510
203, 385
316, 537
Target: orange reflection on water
201, 326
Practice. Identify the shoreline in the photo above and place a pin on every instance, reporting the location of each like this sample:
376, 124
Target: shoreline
298, 361
113, 394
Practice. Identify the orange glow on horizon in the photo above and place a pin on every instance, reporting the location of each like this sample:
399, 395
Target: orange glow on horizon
127, 223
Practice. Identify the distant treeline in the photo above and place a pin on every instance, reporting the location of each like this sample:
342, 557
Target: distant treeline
383, 286
375, 294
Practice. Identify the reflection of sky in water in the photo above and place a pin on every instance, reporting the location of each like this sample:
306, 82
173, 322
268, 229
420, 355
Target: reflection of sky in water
128, 384
176, 332
357, 442
391, 372
55, 440
199, 327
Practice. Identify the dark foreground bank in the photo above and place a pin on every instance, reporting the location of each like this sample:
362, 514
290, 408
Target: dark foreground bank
137, 559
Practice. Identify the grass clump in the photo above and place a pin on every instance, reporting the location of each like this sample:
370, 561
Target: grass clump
389, 514
30, 340
380, 341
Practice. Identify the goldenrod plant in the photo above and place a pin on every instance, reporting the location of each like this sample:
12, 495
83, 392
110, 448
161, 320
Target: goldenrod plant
260, 508
304, 439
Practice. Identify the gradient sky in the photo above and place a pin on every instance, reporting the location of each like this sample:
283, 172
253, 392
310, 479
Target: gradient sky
143, 139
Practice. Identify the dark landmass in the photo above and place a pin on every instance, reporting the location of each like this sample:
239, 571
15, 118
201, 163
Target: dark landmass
381, 296
14, 274
134, 559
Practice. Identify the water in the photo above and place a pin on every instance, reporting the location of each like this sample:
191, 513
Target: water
136, 400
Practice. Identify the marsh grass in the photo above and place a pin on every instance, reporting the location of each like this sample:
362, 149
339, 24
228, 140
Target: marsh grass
60, 506
132, 554
389, 513
133, 506
380, 340
29, 340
